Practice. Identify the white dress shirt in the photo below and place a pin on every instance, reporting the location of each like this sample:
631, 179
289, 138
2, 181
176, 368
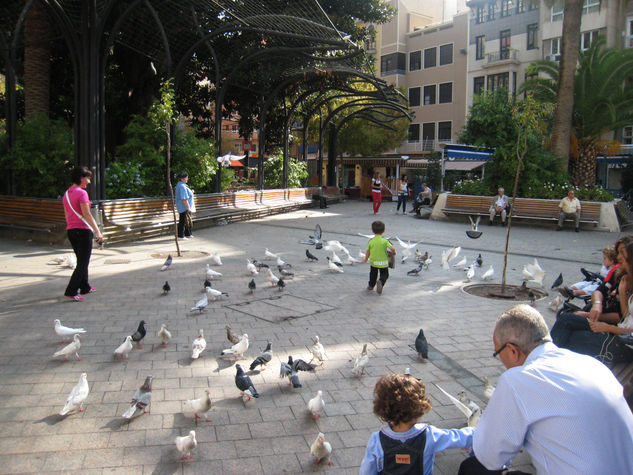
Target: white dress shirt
566, 409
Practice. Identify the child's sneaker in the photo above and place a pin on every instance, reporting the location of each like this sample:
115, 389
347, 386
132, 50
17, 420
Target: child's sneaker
379, 287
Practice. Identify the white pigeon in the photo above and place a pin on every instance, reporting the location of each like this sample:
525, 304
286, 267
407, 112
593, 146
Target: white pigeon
164, 335
556, 302
186, 444
199, 406
201, 304
335, 258
250, 267
212, 274
453, 253
406, 253
489, 389
406, 248
125, 348
361, 254
360, 362
461, 265
272, 278
321, 450
316, 405
214, 294
368, 236
489, 274
60, 259
238, 349
472, 414
533, 274
70, 348
215, 259
198, 345
63, 331
281, 262
445, 254
351, 260
270, 255
334, 246
317, 350
470, 274
333, 267
71, 261
77, 396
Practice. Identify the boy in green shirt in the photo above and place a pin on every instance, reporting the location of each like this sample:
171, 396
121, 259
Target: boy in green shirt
378, 251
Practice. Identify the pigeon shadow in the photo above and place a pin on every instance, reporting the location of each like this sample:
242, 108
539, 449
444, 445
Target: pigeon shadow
116, 424
224, 363
169, 462
51, 420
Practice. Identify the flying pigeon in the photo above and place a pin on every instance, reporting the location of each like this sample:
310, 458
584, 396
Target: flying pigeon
214, 294
333, 267
315, 239
238, 349
272, 278
287, 371
212, 274
533, 273
70, 348
310, 256
321, 450
489, 274
421, 345
198, 345
488, 389
167, 263
244, 383
453, 253
201, 304
479, 261
215, 259
300, 365
252, 286
461, 265
166, 288
124, 348
199, 406
316, 405
473, 414
406, 248
139, 334
474, 232
142, 399
334, 245
250, 267
416, 270
186, 444
558, 282
285, 272
360, 362
76, 398
63, 331
317, 350
270, 255
264, 357
164, 335
281, 284
231, 335
368, 236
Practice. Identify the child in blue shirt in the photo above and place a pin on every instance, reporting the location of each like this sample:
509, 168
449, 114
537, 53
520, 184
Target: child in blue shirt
405, 445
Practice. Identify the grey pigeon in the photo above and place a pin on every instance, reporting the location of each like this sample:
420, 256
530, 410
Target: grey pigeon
300, 365
281, 284
167, 263
285, 272
142, 398
558, 282
264, 357
479, 261
311, 257
139, 334
207, 283
244, 383
231, 335
287, 371
416, 271
166, 288
421, 345
252, 286
259, 265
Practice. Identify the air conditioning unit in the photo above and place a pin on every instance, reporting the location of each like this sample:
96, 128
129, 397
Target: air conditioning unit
553, 57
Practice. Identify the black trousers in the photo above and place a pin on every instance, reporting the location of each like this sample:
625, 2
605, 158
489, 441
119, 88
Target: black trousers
184, 224
81, 241
472, 466
373, 275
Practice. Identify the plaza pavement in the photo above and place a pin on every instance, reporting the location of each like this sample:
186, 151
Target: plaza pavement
272, 434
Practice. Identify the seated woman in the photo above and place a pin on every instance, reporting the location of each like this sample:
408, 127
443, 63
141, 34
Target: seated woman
600, 334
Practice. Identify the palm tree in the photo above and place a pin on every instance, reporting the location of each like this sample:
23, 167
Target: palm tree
602, 101
37, 38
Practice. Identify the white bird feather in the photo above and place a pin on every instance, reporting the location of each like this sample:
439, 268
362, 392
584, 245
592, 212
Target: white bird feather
473, 413
77, 396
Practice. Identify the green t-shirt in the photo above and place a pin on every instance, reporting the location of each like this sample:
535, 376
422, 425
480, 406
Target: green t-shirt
377, 247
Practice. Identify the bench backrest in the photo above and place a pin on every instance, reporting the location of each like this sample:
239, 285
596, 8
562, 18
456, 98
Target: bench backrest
35, 209
469, 202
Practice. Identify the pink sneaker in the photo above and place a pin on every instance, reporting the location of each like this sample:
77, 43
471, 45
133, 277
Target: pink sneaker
75, 298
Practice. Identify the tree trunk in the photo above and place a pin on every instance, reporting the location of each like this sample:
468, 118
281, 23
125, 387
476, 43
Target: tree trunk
583, 168
562, 126
36, 61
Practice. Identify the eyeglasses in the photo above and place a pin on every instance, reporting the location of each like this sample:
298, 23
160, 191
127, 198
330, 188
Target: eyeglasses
496, 353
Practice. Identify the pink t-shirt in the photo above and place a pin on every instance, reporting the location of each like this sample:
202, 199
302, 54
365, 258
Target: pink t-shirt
77, 195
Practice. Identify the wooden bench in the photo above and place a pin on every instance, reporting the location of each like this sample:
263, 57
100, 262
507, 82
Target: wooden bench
624, 373
467, 204
332, 195
32, 218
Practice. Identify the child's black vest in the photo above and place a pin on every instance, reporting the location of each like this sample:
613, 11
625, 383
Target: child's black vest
403, 457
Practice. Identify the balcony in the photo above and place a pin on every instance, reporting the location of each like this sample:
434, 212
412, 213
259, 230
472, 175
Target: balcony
428, 145
502, 57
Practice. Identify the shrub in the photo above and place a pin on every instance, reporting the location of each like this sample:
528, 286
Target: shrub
273, 173
546, 190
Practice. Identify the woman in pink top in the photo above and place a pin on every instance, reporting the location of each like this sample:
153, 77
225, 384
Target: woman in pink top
79, 226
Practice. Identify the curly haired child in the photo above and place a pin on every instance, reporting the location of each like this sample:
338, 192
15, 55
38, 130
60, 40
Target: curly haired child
406, 446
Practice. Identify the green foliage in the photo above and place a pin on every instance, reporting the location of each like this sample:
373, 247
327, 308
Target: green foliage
362, 137
273, 173
543, 189
124, 180
472, 187
431, 175
41, 159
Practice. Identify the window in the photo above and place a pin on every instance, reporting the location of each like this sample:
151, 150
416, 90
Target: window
444, 130
414, 133
446, 54
429, 95
557, 10
504, 44
226, 127
590, 6
234, 128
254, 147
478, 85
491, 11
497, 81
587, 38
531, 35
414, 97
428, 135
520, 6
394, 63
415, 60
480, 49
505, 7
627, 135
446, 93
480, 15
555, 46
430, 58
628, 38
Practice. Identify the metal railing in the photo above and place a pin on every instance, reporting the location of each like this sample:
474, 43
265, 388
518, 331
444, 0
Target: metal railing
502, 55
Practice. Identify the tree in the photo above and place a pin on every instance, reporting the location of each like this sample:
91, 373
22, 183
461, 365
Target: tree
297, 173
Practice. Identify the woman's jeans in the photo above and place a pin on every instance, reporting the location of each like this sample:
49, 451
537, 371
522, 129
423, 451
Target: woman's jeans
402, 199
81, 241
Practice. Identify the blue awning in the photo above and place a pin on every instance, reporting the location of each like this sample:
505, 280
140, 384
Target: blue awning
466, 153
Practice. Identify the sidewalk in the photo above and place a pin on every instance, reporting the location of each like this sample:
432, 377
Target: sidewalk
272, 434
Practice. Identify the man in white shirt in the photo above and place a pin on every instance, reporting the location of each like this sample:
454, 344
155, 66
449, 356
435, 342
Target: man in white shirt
569, 209
499, 206
567, 410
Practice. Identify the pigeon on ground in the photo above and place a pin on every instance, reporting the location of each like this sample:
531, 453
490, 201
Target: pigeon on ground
489, 274
201, 304
333, 266
321, 450
213, 294
231, 335
212, 274
264, 357
300, 365
479, 261
316, 405
464, 399
141, 400
166, 288
281, 284
270, 255
272, 278
473, 414
244, 383
488, 389
139, 334
461, 265
207, 283
558, 282
281, 263
186, 444
250, 268
287, 371
167, 263
427, 262
215, 259
285, 272
70, 348
444, 264
336, 259
260, 265
199, 406
310, 256
421, 345
360, 362
76, 398
252, 286
317, 350
361, 254
237, 349
64, 332
164, 335
198, 345
556, 302
71, 261
470, 273
416, 270
349, 260
124, 348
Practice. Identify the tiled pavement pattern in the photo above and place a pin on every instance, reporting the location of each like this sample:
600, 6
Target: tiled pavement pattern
272, 434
